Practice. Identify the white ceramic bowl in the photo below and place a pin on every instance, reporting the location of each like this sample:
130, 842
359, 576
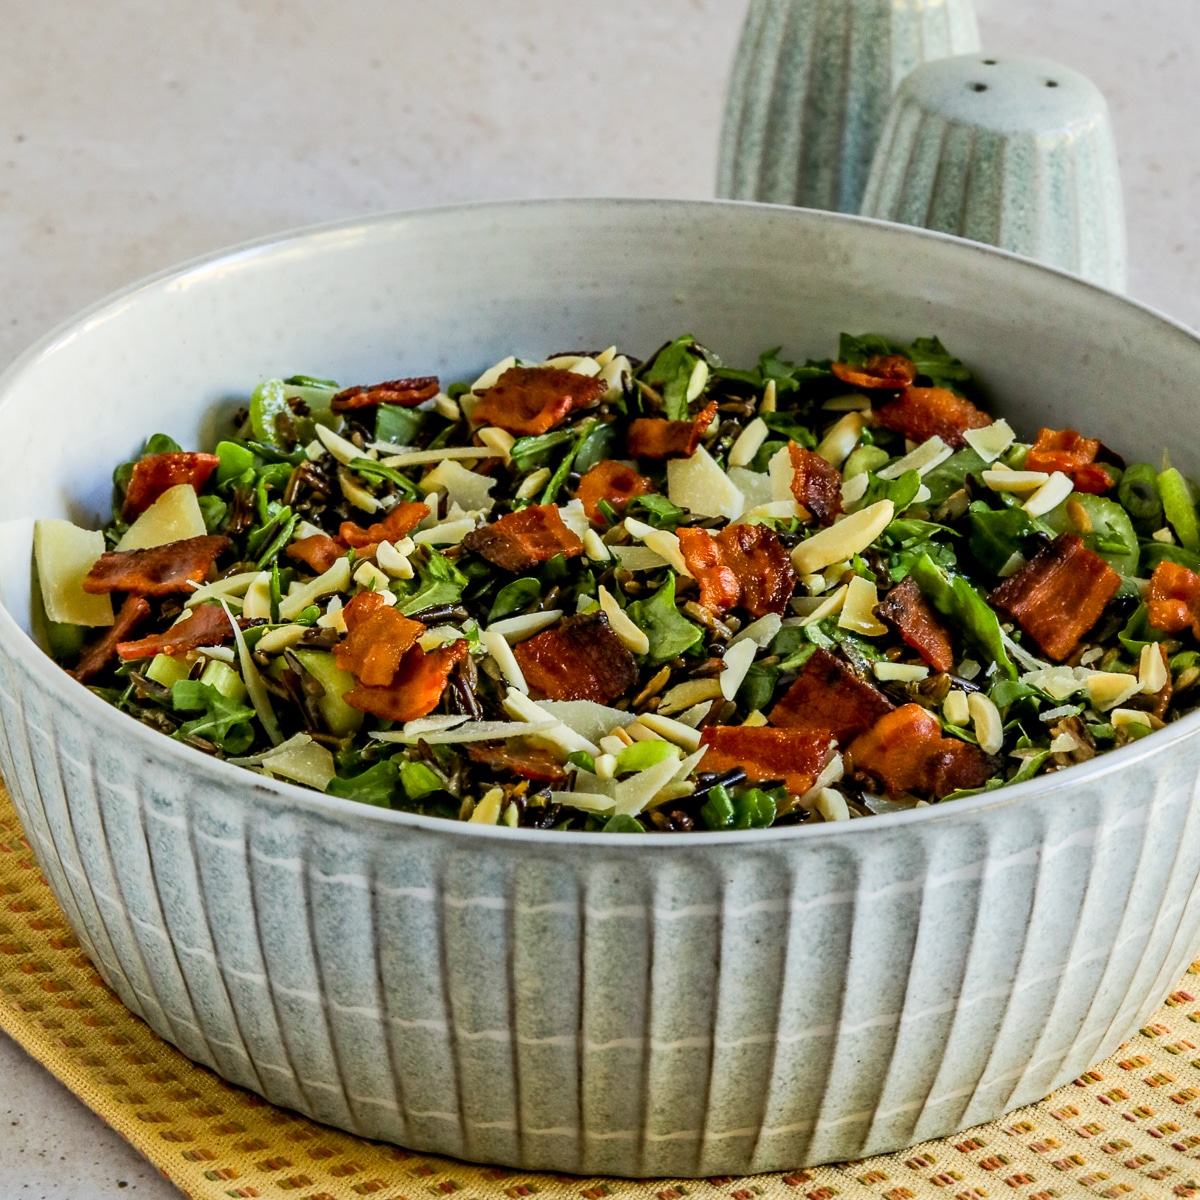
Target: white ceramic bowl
671, 1004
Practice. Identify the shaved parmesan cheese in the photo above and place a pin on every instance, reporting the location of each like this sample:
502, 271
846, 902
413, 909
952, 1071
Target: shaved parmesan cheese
737, 663
855, 488
464, 488
494, 643
574, 518
439, 635
310, 763
631, 795
280, 639
256, 605
65, 554
781, 472
497, 439
615, 372
847, 537
259, 696
748, 444
661, 541
1128, 718
355, 493
698, 484
1108, 689
470, 731
776, 510
174, 517
417, 458
828, 607
490, 377
518, 705
591, 802
336, 579
1152, 670
991, 441
672, 731
232, 585
858, 611
587, 718
755, 486
694, 715
423, 725
924, 458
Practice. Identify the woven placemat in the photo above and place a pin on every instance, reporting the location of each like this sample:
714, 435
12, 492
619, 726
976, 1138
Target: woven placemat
1130, 1128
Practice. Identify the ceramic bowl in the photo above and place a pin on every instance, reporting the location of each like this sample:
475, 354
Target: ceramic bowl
662, 1005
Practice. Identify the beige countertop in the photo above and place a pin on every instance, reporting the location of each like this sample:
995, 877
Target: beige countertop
136, 133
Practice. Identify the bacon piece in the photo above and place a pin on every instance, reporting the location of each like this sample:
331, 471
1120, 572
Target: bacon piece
579, 659
156, 474
922, 412
1058, 595
538, 765
402, 520
744, 566
530, 400
656, 437
378, 637
907, 611
157, 571
1068, 451
405, 392
102, 652
797, 756
879, 371
816, 484
417, 686
207, 625
611, 481
829, 696
905, 752
318, 552
524, 538
1173, 599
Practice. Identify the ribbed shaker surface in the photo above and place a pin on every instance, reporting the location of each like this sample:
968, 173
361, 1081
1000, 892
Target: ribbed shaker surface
1015, 152
810, 91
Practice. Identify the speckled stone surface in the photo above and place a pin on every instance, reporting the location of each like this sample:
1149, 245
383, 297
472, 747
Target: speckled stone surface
810, 89
135, 135
1012, 151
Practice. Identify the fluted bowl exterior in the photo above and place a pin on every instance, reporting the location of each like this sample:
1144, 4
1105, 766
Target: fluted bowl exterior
665, 1005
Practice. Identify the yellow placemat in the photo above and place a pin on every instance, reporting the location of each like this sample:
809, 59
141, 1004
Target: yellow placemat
1130, 1128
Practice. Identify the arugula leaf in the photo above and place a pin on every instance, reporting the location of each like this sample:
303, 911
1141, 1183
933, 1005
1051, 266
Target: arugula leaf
225, 723
1139, 633
854, 351
438, 582
759, 685
787, 425
515, 597
555, 482
419, 779
787, 376
957, 599
213, 510
600, 443
901, 492
933, 360
657, 511
670, 633
527, 450
398, 425
1111, 535
1152, 553
376, 785
998, 534
946, 478
374, 471
671, 370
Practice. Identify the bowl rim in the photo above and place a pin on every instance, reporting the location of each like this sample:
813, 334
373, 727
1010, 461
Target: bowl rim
281, 793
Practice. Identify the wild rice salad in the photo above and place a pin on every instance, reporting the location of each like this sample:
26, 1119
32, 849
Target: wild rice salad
602, 594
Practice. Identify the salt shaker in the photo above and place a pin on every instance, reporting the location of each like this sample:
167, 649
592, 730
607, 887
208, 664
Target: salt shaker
1015, 152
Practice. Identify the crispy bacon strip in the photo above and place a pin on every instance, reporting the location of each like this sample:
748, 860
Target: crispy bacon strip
524, 538
402, 520
102, 652
156, 474
538, 765
377, 638
816, 484
530, 400
796, 756
1173, 599
318, 552
922, 412
611, 481
207, 625
157, 571
579, 659
417, 687
744, 566
907, 611
1068, 451
1058, 595
830, 697
405, 392
893, 371
905, 752
656, 437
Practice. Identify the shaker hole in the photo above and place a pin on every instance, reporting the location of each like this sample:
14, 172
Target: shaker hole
1052, 83
977, 87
